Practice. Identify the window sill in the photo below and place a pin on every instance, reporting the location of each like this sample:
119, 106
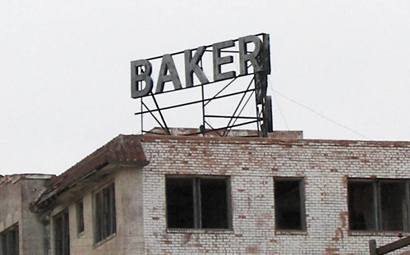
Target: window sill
291, 232
376, 233
107, 239
199, 231
81, 234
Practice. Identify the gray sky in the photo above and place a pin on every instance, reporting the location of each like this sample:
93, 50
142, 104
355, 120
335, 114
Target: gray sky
64, 67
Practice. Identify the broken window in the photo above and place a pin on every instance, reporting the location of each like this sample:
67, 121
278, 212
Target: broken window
378, 205
80, 216
105, 215
289, 204
198, 202
9, 241
61, 234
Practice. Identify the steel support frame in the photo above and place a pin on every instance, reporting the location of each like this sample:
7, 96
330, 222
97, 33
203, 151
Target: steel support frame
257, 86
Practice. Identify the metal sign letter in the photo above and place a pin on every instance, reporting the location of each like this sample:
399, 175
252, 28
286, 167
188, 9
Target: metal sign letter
244, 56
138, 77
191, 67
219, 61
168, 65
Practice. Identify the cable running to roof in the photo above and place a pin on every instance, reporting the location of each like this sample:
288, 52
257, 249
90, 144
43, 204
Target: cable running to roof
320, 114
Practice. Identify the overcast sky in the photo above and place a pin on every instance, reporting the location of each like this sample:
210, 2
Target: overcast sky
64, 68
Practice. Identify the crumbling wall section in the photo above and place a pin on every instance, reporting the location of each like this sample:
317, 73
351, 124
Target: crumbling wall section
33, 229
10, 202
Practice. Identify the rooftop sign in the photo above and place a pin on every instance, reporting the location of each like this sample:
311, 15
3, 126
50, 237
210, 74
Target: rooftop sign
257, 58
195, 68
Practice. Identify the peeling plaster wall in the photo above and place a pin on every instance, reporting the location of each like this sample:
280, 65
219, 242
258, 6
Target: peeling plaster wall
252, 165
33, 228
15, 198
129, 236
10, 206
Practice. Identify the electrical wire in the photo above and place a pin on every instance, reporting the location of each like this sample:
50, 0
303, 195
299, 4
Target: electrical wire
319, 114
276, 101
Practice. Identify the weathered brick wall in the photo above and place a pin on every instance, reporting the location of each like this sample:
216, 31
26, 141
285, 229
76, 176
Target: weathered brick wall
252, 164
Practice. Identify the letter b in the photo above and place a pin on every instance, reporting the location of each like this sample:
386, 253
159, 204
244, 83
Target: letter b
139, 75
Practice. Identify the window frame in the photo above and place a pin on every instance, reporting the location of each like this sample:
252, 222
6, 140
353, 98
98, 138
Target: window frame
197, 201
302, 195
377, 203
96, 223
65, 217
80, 216
5, 234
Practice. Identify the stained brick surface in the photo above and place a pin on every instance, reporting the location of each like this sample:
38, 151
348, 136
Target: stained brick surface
252, 164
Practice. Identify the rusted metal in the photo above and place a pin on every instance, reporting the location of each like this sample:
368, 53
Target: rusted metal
387, 248
373, 247
267, 114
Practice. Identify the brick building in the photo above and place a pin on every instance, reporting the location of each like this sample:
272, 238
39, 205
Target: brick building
177, 194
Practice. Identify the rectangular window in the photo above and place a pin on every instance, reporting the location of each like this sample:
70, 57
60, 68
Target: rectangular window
9, 241
105, 215
393, 205
61, 234
362, 211
289, 204
378, 204
80, 216
198, 202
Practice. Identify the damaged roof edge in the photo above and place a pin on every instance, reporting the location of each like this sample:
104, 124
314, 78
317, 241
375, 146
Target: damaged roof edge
233, 133
123, 149
277, 141
14, 178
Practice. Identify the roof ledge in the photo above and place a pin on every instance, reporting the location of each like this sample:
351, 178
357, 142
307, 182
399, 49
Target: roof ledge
278, 134
124, 149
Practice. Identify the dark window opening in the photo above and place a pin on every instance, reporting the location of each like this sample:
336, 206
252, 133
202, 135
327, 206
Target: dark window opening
214, 203
61, 234
105, 215
289, 206
362, 206
180, 203
201, 202
80, 216
378, 205
393, 205
9, 241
